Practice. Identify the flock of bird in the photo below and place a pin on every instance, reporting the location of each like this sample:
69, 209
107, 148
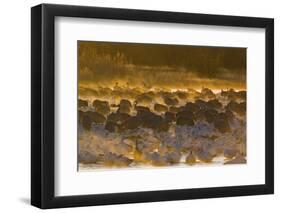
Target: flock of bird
129, 128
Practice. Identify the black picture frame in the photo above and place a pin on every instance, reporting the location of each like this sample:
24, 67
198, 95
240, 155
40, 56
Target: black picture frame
43, 102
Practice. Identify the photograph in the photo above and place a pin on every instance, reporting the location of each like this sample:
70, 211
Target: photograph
140, 105
146, 105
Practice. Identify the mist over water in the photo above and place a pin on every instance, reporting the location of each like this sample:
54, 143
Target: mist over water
151, 65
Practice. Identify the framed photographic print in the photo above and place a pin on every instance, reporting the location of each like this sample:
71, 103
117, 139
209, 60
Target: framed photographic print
140, 106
